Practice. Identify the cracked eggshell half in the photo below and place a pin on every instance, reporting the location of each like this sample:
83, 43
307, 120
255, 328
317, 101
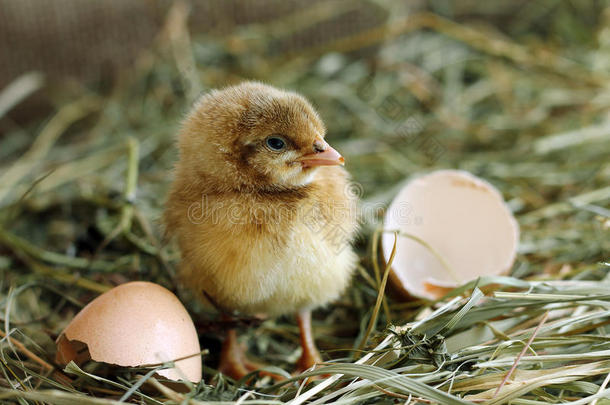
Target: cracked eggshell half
134, 324
469, 230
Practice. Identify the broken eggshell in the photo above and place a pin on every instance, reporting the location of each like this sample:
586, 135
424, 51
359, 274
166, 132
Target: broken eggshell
456, 227
134, 324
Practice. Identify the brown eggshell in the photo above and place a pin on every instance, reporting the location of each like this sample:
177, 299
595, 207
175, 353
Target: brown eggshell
134, 324
463, 219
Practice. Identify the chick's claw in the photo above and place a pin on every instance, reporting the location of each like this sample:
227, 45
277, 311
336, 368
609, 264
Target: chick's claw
307, 360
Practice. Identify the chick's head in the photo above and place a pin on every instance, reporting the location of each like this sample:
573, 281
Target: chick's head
254, 136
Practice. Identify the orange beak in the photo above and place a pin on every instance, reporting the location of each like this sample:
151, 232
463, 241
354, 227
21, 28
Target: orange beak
324, 155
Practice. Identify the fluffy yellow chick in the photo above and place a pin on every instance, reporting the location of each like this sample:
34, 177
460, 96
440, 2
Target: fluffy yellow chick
261, 209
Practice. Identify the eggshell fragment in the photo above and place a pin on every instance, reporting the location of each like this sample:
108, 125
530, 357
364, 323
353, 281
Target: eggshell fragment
134, 324
465, 223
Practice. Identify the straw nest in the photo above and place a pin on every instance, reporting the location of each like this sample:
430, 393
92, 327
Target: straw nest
523, 104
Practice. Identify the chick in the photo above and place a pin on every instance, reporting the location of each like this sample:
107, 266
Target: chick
261, 210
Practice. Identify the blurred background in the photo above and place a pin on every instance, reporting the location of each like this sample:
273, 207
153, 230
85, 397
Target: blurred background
514, 91
92, 94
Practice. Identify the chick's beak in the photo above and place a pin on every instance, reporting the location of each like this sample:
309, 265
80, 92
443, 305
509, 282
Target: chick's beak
324, 155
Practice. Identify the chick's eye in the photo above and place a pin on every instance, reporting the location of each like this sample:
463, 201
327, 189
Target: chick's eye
275, 143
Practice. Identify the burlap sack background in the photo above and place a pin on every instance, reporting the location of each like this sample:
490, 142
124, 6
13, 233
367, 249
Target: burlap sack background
77, 38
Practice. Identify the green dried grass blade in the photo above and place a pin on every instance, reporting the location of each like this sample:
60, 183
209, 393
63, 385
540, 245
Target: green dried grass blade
378, 375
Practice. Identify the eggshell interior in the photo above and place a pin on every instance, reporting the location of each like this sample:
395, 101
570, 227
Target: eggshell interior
463, 219
135, 324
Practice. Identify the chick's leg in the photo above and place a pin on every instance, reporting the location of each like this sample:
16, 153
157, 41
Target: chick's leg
232, 357
234, 362
310, 355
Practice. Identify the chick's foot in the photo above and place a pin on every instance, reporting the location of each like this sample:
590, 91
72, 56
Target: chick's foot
235, 364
